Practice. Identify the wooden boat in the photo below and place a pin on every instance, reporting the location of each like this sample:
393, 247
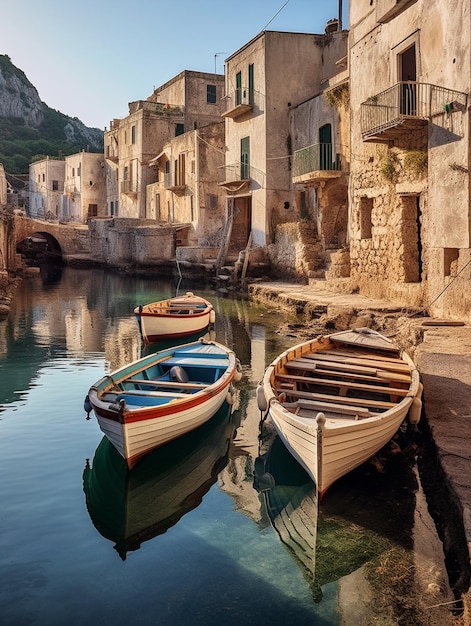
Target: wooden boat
162, 396
174, 317
130, 507
335, 401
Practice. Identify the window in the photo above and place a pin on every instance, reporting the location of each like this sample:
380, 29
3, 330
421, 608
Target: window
245, 158
179, 129
157, 207
92, 210
211, 94
366, 210
211, 201
55, 185
450, 261
179, 171
133, 134
251, 84
238, 94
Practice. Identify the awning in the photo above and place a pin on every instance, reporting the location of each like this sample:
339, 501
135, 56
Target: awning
155, 159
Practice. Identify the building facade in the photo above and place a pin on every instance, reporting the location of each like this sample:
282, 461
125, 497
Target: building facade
46, 186
84, 195
187, 102
186, 190
409, 227
265, 79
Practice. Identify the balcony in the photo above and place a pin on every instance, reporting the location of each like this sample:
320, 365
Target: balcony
129, 187
240, 102
315, 164
234, 177
405, 107
175, 182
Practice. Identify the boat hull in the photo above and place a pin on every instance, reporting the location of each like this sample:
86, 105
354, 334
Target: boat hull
137, 422
335, 436
174, 318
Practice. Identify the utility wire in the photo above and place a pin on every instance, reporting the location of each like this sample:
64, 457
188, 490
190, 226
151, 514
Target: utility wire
277, 13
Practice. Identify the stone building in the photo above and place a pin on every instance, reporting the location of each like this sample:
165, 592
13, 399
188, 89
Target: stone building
321, 159
185, 103
186, 190
84, 188
46, 186
265, 79
410, 227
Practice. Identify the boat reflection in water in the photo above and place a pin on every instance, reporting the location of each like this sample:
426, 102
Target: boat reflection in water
130, 507
290, 500
365, 514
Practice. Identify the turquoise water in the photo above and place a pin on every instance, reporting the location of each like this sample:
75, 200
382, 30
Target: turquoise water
186, 539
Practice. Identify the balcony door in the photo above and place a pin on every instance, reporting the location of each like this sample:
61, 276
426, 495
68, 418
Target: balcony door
325, 147
408, 77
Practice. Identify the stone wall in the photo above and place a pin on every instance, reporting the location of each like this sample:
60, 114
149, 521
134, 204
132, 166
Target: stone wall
123, 242
295, 250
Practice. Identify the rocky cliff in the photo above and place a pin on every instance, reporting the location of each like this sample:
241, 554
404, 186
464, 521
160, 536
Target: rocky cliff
28, 122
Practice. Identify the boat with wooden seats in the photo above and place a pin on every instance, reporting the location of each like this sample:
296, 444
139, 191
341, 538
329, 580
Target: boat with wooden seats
130, 507
335, 401
177, 317
162, 396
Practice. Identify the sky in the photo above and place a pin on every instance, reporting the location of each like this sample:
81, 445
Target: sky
90, 58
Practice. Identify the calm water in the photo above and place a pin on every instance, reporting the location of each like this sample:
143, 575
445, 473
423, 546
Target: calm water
216, 528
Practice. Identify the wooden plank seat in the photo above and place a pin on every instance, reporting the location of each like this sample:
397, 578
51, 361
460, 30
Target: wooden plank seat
353, 374
153, 394
313, 363
365, 402
188, 305
352, 353
329, 407
206, 361
344, 385
390, 365
166, 383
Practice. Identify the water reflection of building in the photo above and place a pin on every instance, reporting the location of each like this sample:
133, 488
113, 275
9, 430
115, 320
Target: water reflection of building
237, 478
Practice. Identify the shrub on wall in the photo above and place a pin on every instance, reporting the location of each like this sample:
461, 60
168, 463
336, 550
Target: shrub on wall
390, 167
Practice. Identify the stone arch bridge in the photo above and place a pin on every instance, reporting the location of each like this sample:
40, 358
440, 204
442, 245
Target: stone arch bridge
64, 241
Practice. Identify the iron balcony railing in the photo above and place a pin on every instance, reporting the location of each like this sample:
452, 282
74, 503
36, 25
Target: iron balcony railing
174, 179
232, 173
242, 100
128, 186
408, 100
318, 157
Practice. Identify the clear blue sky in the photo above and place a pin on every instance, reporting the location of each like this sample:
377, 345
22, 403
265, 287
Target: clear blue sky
88, 59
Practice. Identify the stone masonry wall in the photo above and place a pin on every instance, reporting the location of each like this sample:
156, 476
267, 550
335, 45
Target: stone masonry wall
389, 218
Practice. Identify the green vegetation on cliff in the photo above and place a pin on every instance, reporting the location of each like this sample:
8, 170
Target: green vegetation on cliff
30, 130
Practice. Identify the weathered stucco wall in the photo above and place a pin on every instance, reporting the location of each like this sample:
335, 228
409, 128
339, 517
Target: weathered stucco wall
130, 242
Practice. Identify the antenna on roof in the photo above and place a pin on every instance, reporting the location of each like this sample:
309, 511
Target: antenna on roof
218, 54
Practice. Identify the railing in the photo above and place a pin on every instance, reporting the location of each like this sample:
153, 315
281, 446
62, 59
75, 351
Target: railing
173, 180
156, 107
234, 172
408, 100
128, 186
243, 98
318, 157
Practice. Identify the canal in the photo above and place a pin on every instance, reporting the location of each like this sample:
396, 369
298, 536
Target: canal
220, 527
